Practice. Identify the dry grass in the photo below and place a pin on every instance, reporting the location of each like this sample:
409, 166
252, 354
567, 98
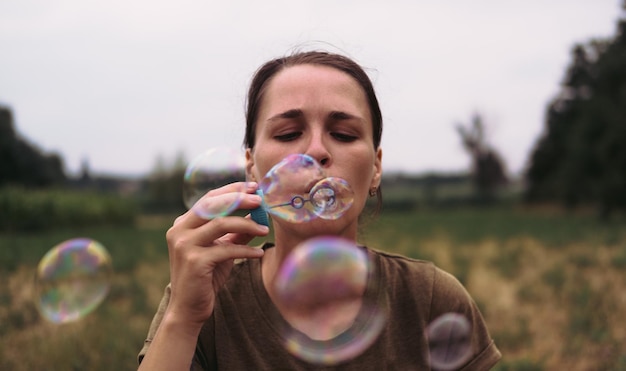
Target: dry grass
550, 302
557, 310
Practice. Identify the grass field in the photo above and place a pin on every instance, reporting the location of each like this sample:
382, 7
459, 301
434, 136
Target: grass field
552, 287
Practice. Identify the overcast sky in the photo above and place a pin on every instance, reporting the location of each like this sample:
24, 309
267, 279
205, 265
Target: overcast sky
120, 82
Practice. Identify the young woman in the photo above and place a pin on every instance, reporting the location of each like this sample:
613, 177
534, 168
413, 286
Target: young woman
218, 315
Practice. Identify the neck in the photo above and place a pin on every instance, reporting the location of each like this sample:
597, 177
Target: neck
338, 315
288, 236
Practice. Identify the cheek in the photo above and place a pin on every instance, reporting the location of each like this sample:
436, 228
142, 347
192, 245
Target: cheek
365, 169
360, 179
264, 161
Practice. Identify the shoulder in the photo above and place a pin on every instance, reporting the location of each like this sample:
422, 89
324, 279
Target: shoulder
423, 279
401, 270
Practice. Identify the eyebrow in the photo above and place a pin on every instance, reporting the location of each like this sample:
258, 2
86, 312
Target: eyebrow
340, 115
289, 114
295, 113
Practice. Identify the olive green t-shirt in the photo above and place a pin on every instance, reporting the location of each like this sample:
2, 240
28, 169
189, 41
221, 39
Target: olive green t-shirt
246, 330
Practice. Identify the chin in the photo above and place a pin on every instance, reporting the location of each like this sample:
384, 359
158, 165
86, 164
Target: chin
321, 227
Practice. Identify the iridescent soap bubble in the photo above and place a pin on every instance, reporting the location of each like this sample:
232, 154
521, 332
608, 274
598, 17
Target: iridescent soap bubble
72, 279
331, 197
286, 187
297, 190
213, 169
331, 282
449, 341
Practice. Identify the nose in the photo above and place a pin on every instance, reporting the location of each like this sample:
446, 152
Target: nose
318, 150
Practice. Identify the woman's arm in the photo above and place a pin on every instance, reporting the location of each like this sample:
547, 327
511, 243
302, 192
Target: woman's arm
201, 254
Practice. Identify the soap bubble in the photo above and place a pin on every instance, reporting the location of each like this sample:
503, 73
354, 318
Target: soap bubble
332, 282
297, 190
286, 186
449, 341
213, 169
72, 279
331, 197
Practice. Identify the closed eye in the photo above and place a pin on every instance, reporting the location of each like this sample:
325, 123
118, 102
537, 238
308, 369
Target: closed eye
342, 137
287, 137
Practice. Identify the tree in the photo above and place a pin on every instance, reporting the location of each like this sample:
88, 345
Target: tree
164, 186
581, 157
21, 162
488, 170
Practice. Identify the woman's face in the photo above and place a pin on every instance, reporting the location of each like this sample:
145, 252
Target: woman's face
322, 112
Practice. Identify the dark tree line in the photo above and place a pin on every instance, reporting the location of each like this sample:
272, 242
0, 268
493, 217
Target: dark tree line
163, 188
21, 162
581, 157
488, 169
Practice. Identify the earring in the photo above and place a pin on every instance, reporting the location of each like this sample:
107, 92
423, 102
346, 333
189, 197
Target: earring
373, 191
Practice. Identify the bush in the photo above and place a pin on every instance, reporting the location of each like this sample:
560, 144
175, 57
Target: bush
24, 209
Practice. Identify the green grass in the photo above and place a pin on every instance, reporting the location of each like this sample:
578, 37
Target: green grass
470, 225
30, 210
127, 244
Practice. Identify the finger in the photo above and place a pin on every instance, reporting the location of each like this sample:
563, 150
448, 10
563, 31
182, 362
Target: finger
222, 253
195, 256
194, 261
247, 187
233, 229
245, 238
208, 208
237, 187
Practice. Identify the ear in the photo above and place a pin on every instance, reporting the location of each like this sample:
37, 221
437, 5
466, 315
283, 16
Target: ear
250, 166
378, 169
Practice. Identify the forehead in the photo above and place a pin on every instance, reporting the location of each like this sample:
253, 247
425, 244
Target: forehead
313, 72
313, 81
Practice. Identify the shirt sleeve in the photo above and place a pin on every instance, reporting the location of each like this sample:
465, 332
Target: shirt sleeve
449, 295
156, 321
198, 361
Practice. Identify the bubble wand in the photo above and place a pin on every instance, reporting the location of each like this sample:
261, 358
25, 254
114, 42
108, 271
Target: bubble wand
281, 191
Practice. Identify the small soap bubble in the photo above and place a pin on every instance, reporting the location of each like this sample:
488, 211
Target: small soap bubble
331, 282
332, 197
449, 341
297, 190
213, 169
72, 279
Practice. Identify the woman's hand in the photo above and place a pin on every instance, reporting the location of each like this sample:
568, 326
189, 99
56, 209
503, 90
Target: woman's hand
202, 251
201, 258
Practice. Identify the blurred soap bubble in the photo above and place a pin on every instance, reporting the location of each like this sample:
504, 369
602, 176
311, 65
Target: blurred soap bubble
210, 170
449, 341
326, 279
72, 279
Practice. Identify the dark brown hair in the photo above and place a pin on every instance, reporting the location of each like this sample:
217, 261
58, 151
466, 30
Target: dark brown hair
266, 72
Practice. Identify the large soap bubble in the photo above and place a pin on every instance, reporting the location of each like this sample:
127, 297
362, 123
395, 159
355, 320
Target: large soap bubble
449, 341
72, 279
331, 281
297, 190
213, 169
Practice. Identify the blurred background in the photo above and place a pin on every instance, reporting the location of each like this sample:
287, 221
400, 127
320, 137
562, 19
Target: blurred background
504, 155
